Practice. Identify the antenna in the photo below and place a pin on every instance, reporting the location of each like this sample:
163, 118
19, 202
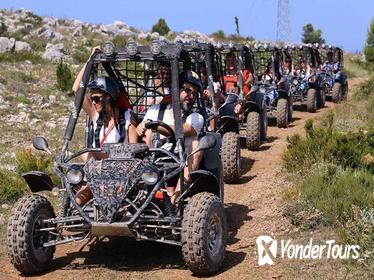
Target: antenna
284, 21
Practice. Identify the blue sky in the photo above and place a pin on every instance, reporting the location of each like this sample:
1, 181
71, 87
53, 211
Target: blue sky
343, 22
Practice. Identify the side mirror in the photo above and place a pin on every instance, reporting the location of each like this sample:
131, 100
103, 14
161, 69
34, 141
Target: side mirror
206, 142
41, 144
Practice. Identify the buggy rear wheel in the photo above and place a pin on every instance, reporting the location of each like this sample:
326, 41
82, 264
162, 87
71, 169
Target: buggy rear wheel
282, 112
24, 238
321, 98
231, 157
253, 131
336, 92
204, 234
311, 100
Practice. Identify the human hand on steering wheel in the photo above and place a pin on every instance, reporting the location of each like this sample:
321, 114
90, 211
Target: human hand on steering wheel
154, 125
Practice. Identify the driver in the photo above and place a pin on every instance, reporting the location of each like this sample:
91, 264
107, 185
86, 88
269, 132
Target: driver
329, 65
192, 124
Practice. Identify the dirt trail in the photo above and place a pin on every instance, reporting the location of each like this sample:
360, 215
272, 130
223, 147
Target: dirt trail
253, 209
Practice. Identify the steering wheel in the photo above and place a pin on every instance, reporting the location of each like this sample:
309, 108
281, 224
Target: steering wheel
153, 125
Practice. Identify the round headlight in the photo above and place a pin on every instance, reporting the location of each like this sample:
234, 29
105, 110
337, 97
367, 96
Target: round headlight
131, 48
156, 47
108, 48
150, 175
295, 82
74, 174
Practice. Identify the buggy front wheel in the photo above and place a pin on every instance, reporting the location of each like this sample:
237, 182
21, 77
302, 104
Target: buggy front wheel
204, 234
24, 236
337, 92
230, 154
282, 112
311, 100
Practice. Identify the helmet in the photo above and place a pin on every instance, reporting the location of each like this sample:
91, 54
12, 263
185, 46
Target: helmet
192, 78
105, 84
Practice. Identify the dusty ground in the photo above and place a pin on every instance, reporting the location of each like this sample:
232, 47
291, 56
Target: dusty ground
253, 208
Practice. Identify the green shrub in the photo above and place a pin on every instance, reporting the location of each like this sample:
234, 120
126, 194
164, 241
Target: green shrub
12, 186
64, 77
161, 27
3, 30
120, 41
219, 34
326, 144
81, 54
28, 159
333, 190
21, 57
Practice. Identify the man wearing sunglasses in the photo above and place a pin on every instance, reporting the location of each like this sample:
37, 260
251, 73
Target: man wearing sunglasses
193, 122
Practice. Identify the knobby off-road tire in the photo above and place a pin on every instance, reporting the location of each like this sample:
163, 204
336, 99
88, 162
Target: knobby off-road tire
336, 93
204, 234
282, 112
231, 157
321, 98
264, 124
311, 100
24, 244
345, 94
290, 109
253, 131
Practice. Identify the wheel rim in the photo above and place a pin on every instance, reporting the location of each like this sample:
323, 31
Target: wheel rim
39, 238
214, 234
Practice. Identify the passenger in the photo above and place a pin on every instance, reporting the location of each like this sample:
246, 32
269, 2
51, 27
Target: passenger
109, 123
287, 66
162, 83
192, 124
231, 79
303, 68
218, 95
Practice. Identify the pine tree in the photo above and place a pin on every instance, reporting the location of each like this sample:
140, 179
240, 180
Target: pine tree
64, 76
369, 46
312, 36
161, 27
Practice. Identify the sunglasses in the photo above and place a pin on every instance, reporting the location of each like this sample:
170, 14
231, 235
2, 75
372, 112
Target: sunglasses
96, 99
188, 90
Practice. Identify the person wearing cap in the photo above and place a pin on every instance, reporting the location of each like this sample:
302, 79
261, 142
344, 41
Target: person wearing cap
329, 65
193, 122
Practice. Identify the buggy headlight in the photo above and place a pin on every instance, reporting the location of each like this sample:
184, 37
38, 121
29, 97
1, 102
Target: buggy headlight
108, 48
156, 47
262, 90
132, 48
295, 82
150, 175
75, 174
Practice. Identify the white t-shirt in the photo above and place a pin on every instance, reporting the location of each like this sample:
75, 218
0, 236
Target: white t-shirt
194, 119
114, 135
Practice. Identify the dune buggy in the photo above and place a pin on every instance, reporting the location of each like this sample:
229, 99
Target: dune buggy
251, 121
206, 55
335, 82
305, 80
128, 186
270, 84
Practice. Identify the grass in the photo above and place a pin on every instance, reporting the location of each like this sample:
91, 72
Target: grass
332, 170
21, 57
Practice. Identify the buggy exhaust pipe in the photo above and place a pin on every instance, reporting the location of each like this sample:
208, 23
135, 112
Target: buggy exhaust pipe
111, 229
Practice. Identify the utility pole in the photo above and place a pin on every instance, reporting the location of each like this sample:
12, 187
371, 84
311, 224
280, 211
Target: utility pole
237, 26
284, 22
